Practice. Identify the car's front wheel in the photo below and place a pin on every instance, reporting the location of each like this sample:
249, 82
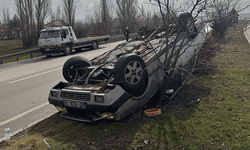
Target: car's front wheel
74, 68
130, 72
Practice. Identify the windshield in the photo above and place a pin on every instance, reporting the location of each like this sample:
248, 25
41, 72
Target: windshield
50, 34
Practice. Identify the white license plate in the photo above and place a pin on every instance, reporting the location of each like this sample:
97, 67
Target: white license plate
47, 49
75, 104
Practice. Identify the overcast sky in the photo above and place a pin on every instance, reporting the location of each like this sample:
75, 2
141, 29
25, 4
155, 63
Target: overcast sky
84, 7
87, 7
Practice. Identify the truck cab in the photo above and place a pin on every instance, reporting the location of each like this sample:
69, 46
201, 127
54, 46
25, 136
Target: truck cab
59, 39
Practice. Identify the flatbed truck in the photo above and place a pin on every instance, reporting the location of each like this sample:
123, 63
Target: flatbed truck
62, 39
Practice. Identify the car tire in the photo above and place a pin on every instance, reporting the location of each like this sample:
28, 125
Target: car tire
67, 50
186, 23
94, 45
130, 72
70, 66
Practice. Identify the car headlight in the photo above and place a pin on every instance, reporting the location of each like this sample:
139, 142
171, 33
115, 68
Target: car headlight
53, 93
99, 98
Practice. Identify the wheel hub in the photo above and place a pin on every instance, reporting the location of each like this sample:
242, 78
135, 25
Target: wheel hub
133, 72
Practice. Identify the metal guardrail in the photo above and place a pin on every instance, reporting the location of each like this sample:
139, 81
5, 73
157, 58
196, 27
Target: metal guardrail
17, 55
31, 52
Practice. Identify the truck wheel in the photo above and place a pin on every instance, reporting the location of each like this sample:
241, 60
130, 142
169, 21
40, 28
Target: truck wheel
186, 23
94, 45
67, 50
130, 72
70, 68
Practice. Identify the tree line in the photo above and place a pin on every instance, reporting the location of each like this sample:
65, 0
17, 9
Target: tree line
109, 17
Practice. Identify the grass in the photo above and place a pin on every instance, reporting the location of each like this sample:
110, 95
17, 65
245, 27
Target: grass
219, 121
8, 47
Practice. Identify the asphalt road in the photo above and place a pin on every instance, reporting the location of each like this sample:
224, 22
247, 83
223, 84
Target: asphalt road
25, 85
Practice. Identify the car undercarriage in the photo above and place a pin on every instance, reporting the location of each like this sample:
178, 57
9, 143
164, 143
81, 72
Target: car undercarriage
118, 82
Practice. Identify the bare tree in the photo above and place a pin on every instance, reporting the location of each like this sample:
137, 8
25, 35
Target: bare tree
174, 47
52, 16
69, 11
32, 14
106, 17
22, 17
6, 19
170, 67
58, 13
98, 22
219, 12
127, 13
90, 25
218, 9
42, 9
25, 12
80, 29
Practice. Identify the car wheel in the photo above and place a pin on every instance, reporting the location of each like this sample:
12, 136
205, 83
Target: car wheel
130, 72
71, 68
94, 45
186, 23
67, 50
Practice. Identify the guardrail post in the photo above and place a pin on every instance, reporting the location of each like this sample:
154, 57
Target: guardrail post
31, 55
1, 62
16, 58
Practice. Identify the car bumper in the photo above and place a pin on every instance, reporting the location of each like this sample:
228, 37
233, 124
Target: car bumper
51, 50
85, 110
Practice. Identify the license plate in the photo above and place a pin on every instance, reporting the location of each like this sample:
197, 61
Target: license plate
75, 104
47, 49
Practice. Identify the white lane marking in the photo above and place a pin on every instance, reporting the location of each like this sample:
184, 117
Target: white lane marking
23, 114
34, 76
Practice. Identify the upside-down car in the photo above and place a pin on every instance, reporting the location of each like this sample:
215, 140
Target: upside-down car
118, 82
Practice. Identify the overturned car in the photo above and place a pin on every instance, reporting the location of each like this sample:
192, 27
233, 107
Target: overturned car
122, 80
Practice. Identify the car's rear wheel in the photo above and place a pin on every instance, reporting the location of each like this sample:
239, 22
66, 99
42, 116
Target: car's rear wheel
186, 23
71, 68
130, 72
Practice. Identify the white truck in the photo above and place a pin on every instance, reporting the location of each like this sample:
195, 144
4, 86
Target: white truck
62, 39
